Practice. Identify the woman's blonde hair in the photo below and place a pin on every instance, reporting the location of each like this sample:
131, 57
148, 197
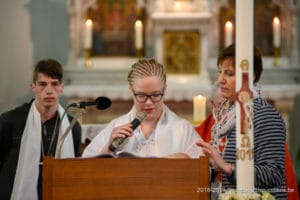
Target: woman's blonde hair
146, 68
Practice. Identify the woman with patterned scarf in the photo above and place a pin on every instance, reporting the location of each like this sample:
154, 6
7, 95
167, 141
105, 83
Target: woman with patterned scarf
218, 132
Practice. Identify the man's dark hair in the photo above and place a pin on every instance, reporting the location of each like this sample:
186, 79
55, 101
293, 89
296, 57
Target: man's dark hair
49, 67
229, 53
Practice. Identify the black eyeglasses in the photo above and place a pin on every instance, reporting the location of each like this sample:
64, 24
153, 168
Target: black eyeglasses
142, 98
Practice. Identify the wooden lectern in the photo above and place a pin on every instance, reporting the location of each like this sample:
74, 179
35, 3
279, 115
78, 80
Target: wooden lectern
125, 178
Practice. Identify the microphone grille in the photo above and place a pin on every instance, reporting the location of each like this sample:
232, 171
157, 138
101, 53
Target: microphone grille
141, 116
102, 103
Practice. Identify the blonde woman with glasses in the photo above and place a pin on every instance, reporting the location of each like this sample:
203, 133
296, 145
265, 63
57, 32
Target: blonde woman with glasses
161, 134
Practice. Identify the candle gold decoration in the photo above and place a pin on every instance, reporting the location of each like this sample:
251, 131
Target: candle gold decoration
276, 56
276, 40
87, 57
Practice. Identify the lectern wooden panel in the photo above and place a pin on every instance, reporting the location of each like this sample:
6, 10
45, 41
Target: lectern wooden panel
125, 178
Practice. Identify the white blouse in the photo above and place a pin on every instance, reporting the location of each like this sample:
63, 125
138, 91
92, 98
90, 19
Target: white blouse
172, 135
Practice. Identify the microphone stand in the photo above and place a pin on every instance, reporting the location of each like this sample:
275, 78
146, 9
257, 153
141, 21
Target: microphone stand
64, 135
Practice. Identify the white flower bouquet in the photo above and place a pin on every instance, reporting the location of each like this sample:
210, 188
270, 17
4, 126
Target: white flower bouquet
233, 195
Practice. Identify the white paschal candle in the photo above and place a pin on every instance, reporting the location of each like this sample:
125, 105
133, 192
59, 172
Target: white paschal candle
199, 107
244, 56
88, 34
138, 30
228, 33
276, 32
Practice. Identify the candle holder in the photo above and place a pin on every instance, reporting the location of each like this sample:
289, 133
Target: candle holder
139, 53
87, 58
276, 56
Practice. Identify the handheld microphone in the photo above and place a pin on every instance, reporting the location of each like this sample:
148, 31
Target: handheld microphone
101, 103
135, 123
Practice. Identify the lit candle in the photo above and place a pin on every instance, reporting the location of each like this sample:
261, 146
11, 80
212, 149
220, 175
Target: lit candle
276, 32
88, 34
199, 108
138, 29
228, 33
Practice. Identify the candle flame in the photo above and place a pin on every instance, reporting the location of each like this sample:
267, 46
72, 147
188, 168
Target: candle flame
89, 22
199, 96
276, 20
138, 23
228, 25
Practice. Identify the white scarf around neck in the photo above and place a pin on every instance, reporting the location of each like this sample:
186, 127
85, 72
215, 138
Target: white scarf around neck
26, 178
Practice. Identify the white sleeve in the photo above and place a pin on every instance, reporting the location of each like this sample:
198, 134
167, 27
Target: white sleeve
97, 144
193, 150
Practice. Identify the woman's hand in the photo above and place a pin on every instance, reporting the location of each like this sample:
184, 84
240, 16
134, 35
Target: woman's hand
215, 158
122, 131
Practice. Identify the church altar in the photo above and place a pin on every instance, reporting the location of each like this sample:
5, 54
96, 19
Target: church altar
107, 76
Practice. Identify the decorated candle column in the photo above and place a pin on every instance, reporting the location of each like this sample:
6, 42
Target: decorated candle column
244, 107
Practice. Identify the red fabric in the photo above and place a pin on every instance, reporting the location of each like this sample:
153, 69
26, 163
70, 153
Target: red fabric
291, 181
204, 130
